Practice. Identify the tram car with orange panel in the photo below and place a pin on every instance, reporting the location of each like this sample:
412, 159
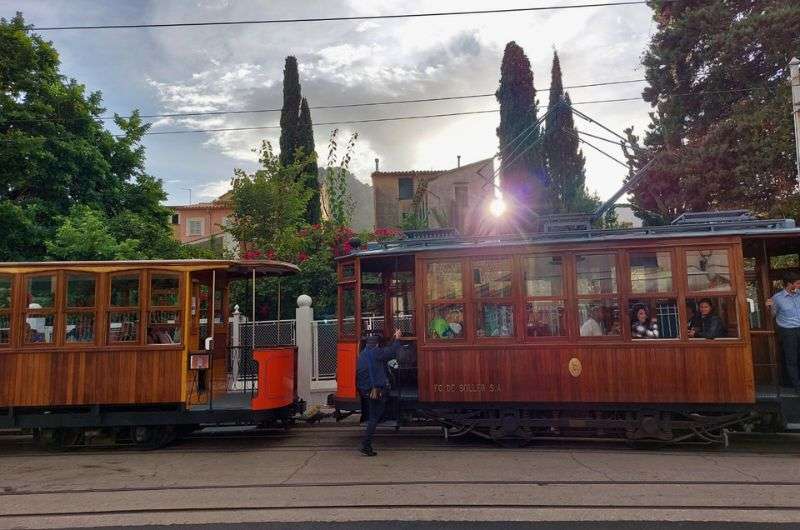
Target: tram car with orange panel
133, 351
577, 332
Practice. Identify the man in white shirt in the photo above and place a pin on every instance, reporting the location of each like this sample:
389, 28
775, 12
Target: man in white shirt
592, 327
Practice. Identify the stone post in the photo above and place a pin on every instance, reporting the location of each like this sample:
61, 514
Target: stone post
236, 347
305, 346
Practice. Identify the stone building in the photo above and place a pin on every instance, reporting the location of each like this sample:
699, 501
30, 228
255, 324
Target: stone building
457, 197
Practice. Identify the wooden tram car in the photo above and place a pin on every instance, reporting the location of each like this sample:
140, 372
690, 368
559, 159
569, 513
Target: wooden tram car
535, 336
134, 350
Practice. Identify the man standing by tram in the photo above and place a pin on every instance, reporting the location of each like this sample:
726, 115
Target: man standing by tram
372, 384
785, 307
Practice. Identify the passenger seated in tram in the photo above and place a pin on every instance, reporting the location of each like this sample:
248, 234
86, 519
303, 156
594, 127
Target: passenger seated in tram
593, 326
642, 326
709, 325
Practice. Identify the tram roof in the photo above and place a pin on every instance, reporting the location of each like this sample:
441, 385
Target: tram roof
234, 268
451, 241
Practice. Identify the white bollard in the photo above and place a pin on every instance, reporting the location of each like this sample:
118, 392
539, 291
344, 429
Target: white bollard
305, 346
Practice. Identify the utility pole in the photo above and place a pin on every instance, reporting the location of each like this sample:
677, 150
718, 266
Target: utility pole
794, 76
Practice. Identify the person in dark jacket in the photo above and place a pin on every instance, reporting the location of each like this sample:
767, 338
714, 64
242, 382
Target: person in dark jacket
372, 383
709, 325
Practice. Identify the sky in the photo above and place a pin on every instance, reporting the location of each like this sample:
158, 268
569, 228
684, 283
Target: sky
219, 68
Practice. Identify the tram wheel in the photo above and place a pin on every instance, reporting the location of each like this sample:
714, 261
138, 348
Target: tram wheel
58, 439
153, 436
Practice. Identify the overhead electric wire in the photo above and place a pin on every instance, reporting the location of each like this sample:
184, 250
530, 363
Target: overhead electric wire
612, 157
603, 138
340, 19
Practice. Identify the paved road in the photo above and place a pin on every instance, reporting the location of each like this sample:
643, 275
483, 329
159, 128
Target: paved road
314, 475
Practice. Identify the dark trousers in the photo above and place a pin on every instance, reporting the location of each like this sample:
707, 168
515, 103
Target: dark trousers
373, 413
790, 345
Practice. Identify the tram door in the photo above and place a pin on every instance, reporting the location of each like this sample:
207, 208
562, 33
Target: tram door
208, 322
765, 263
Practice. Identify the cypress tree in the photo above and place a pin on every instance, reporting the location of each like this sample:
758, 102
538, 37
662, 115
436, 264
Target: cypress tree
305, 141
563, 156
521, 165
290, 112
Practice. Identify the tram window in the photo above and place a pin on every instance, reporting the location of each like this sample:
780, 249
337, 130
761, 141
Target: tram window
491, 278
5, 309
651, 272
347, 311
785, 261
597, 274
164, 320
599, 318
164, 327
443, 281
545, 319
123, 319
40, 315
712, 317
79, 313
753, 293
543, 276
494, 320
347, 271
445, 321
402, 302
708, 270
654, 318
164, 290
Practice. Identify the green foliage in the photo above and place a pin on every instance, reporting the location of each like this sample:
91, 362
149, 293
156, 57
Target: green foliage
721, 130
269, 205
337, 204
84, 235
305, 142
521, 156
290, 112
55, 155
566, 189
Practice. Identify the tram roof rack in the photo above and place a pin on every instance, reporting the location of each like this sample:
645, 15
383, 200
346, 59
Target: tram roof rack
699, 224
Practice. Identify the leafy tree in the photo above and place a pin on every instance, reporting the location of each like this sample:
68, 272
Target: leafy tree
56, 154
306, 145
721, 130
565, 161
337, 204
521, 161
290, 112
84, 235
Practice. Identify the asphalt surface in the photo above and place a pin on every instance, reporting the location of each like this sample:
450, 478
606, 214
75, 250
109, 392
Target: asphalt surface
498, 525
313, 477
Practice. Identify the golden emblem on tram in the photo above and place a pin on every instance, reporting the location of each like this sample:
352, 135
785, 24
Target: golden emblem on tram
575, 367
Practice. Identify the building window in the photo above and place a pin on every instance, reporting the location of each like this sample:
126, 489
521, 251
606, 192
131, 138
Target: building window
80, 308
444, 297
40, 316
176, 219
544, 292
6, 299
164, 318
123, 318
405, 188
195, 227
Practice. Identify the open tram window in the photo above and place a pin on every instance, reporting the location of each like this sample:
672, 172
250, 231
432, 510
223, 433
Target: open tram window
444, 297
491, 288
40, 314
544, 291
708, 270
598, 305
373, 301
401, 289
651, 272
123, 317
80, 308
6, 301
654, 318
712, 317
164, 319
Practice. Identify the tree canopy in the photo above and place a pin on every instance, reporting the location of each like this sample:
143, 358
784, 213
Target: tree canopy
61, 169
721, 128
305, 141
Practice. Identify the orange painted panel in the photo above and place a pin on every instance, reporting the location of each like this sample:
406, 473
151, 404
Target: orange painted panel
276, 378
346, 358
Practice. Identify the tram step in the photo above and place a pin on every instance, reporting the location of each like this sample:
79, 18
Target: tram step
793, 426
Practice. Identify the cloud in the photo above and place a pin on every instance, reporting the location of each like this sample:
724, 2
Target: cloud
212, 190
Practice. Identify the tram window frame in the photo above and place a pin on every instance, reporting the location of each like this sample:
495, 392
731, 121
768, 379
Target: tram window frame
137, 309
478, 302
731, 294
400, 289
560, 299
650, 299
154, 308
430, 304
7, 311
66, 310
601, 298
41, 312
